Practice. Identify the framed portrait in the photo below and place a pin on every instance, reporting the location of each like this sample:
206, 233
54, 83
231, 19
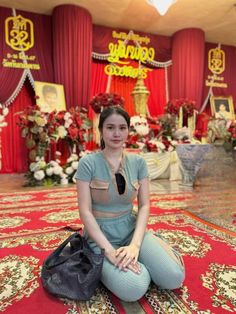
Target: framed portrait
222, 107
50, 96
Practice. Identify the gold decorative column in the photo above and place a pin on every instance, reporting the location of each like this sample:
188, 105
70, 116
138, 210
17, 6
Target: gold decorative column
140, 95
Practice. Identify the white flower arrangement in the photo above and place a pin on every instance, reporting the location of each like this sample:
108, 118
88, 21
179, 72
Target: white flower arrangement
71, 166
140, 125
47, 174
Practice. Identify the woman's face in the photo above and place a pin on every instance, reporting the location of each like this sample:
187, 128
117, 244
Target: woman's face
115, 131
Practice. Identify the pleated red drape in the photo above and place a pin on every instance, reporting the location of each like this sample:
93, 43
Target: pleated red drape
156, 84
72, 55
124, 86
42, 48
99, 78
14, 152
188, 65
99, 81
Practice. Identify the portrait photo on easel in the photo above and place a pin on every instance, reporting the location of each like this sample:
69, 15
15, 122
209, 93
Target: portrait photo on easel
50, 96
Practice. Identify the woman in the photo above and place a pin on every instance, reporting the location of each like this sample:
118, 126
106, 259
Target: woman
107, 184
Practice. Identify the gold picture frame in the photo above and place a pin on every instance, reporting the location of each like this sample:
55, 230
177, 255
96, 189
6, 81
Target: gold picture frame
222, 107
50, 96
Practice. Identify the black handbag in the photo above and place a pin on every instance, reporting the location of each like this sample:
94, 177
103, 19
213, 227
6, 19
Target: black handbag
73, 270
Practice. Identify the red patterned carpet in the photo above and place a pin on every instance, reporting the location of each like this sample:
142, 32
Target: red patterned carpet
31, 225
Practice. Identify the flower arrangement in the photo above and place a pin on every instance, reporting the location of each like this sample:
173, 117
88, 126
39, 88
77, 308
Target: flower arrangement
188, 107
103, 100
77, 126
147, 135
40, 128
221, 131
232, 131
41, 173
46, 174
71, 166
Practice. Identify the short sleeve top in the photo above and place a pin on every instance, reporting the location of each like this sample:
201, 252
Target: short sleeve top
95, 169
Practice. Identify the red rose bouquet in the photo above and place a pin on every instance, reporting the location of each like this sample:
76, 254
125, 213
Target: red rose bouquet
173, 107
103, 100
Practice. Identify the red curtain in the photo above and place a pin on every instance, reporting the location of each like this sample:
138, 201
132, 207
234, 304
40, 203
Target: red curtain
14, 152
99, 78
99, 81
188, 65
156, 84
72, 55
42, 48
124, 86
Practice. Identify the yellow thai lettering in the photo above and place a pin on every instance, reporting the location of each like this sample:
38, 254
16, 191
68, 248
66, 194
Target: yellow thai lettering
122, 51
127, 71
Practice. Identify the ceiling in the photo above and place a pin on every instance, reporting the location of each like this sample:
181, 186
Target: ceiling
217, 18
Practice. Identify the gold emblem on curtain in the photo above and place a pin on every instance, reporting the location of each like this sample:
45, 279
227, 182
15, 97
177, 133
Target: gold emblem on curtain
19, 33
216, 64
216, 60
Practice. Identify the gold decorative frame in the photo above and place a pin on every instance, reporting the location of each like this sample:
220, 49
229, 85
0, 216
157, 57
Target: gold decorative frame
57, 101
222, 100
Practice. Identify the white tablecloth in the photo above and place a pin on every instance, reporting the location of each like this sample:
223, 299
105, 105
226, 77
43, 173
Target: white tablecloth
163, 165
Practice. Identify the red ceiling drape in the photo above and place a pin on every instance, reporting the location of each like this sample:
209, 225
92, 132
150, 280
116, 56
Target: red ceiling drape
72, 54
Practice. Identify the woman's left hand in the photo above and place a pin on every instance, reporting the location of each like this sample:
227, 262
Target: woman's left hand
127, 255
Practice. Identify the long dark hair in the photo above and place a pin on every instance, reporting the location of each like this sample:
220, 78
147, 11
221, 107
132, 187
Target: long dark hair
107, 112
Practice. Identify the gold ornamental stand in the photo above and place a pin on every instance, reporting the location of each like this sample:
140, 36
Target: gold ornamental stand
140, 95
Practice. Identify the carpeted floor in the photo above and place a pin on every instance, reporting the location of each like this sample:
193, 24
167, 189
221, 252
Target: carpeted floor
32, 224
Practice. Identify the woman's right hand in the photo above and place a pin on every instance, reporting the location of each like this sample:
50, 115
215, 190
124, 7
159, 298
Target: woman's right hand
111, 256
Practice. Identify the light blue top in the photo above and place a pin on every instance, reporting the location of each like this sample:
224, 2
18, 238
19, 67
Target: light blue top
95, 169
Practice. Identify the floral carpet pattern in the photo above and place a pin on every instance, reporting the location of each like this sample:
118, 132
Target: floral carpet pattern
32, 224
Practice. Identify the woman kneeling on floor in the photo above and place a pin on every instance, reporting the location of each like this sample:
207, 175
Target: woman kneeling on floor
108, 182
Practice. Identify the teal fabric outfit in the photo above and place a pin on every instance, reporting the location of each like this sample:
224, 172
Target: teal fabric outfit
155, 258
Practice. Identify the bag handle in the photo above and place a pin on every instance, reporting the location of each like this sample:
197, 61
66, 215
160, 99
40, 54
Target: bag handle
59, 250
